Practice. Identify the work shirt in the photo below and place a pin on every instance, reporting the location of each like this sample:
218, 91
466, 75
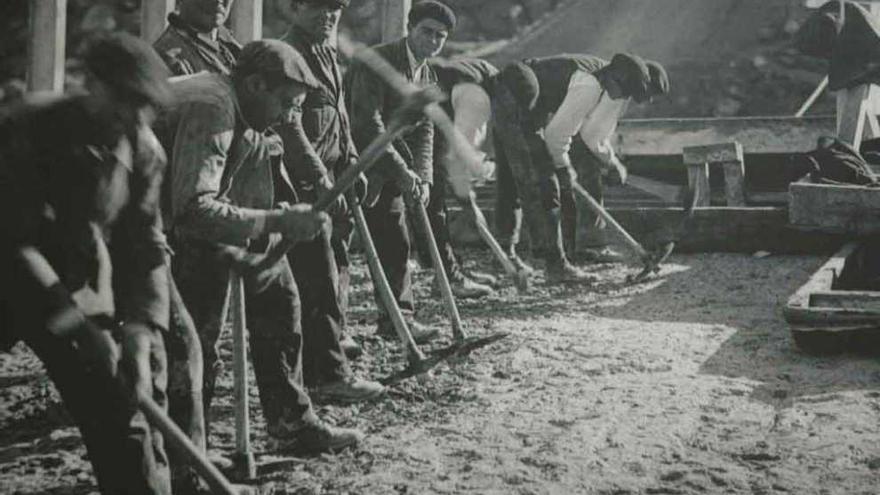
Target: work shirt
589, 112
187, 51
371, 103
223, 173
317, 141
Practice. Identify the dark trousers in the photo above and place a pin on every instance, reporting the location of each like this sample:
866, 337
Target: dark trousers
314, 268
185, 399
272, 312
340, 242
527, 191
387, 223
585, 228
127, 454
438, 215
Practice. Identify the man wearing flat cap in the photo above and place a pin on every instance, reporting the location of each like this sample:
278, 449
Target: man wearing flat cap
85, 281
405, 172
229, 203
318, 148
556, 98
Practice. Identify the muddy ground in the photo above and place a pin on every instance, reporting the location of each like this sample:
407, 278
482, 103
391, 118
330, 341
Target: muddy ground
686, 384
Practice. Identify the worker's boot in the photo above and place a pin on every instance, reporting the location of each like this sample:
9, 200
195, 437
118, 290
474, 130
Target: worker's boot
558, 269
312, 437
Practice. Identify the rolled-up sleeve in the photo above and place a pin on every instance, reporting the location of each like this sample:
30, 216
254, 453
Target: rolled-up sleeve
584, 93
199, 157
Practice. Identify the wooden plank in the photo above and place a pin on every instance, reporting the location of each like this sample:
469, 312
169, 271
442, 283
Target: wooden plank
713, 153
734, 183
846, 299
394, 19
822, 280
46, 46
840, 209
667, 192
246, 20
698, 180
852, 105
665, 137
154, 18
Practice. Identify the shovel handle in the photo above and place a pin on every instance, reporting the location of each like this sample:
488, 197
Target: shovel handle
489, 239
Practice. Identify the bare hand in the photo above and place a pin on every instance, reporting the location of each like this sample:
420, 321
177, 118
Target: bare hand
301, 223
97, 349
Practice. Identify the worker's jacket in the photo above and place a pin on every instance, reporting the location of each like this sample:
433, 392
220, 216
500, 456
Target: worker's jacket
185, 52
371, 103
221, 171
317, 141
49, 152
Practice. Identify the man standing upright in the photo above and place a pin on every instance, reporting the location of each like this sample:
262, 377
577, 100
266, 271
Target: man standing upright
405, 171
318, 147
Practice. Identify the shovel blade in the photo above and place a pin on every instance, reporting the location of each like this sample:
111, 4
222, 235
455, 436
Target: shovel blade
456, 350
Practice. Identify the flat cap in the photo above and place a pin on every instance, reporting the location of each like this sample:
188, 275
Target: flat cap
432, 9
632, 75
274, 58
129, 65
338, 4
522, 82
659, 84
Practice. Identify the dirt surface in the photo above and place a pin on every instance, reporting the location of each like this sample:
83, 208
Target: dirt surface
686, 384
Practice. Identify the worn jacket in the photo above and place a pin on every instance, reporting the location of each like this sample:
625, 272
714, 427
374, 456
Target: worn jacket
318, 142
221, 171
185, 52
371, 103
44, 151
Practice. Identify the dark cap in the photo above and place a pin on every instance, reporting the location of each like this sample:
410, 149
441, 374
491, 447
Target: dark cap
336, 4
274, 59
632, 75
659, 84
432, 9
522, 82
130, 66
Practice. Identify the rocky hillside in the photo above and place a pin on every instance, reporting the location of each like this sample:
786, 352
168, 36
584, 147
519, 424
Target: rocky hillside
725, 57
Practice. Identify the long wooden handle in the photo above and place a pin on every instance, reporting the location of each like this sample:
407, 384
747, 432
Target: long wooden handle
239, 363
602, 212
489, 239
440, 273
175, 436
413, 353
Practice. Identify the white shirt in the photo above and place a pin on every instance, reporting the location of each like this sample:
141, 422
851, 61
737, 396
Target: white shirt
472, 109
586, 110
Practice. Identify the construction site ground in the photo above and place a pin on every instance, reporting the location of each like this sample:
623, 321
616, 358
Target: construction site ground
689, 383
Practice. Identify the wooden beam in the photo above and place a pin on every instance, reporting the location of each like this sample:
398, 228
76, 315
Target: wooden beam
852, 106
698, 180
669, 193
730, 157
846, 299
246, 20
839, 209
46, 47
154, 18
766, 135
394, 15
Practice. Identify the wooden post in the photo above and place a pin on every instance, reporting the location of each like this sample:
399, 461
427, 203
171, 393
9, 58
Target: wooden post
246, 20
48, 19
852, 108
245, 466
394, 14
730, 157
154, 18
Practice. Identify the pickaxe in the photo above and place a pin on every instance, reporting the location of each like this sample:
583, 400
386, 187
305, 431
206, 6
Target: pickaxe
36, 265
459, 146
520, 278
650, 260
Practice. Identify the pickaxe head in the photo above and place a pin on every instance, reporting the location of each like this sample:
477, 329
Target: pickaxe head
457, 350
652, 262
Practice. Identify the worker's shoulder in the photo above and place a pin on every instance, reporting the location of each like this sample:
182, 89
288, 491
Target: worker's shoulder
212, 92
